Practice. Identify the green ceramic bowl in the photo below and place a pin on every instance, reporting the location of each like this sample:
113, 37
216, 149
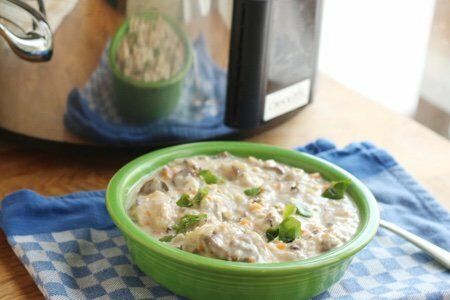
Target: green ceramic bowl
199, 277
139, 101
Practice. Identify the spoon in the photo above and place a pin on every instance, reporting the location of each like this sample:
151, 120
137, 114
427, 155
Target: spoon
440, 255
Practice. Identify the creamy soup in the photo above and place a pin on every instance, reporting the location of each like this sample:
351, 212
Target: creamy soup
243, 209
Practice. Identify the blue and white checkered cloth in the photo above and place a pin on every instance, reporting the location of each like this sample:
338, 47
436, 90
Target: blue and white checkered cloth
72, 249
91, 113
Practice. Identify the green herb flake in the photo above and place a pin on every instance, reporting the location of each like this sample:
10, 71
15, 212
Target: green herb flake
166, 238
337, 189
187, 222
199, 196
289, 209
184, 201
303, 211
272, 233
209, 177
254, 191
289, 229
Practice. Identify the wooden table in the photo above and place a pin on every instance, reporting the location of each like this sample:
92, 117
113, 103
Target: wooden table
338, 114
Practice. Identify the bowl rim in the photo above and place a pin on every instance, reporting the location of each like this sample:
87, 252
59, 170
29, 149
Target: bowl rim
147, 163
120, 33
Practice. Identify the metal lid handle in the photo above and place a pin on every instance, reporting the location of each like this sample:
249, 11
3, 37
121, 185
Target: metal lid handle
36, 45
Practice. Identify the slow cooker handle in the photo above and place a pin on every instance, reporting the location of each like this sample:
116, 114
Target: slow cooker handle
37, 45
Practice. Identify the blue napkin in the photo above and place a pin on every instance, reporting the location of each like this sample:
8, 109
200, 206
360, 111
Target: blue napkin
72, 249
92, 115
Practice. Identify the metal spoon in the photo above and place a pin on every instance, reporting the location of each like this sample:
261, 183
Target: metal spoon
440, 255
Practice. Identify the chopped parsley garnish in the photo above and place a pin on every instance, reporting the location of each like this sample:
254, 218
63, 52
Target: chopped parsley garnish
209, 177
303, 211
337, 189
184, 201
289, 209
167, 238
254, 191
199, 196
272, 233
188, 222
289, 229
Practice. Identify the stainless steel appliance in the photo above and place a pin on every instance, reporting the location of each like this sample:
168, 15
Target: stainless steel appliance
266, 52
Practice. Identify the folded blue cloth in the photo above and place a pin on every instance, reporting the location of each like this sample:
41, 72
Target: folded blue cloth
92, 115
73, 250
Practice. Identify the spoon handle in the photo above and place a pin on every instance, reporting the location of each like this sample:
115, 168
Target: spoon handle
440, 255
